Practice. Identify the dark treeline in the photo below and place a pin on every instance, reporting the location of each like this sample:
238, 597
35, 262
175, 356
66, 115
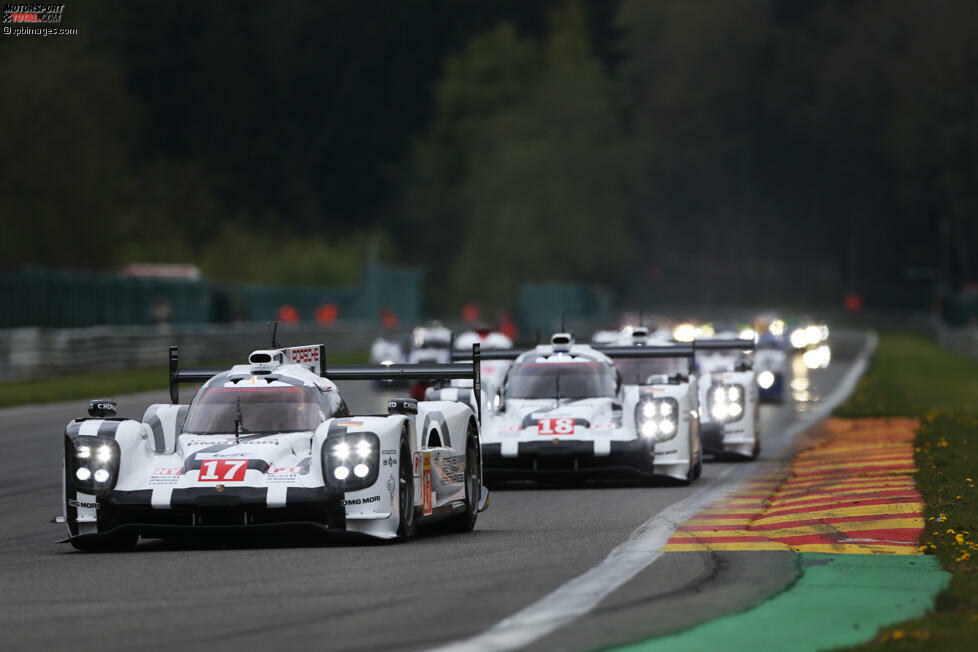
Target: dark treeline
644, 145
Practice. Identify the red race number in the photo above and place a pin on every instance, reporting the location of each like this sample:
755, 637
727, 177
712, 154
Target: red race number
227, 470
562, 426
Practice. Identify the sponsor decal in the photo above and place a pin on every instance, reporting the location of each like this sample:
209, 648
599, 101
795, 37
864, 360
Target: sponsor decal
82, 505
559, 426
426, 482
217, 470
390, 487
417, 465
232, 440
165, 475
389, 451
389, 461
350, 424
360, 501
282, 474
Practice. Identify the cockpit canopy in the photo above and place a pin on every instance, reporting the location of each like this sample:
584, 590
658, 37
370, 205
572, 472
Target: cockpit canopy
256, 409
576, 379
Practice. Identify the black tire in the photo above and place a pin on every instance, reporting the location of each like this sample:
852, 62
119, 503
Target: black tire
407, 526
117, 543
757, 449
465, 522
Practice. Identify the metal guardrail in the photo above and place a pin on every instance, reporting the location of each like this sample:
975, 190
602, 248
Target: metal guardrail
963, 340
27, 353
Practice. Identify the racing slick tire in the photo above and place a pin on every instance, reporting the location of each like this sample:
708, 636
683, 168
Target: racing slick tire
407, 527
756, 452
117, 543
465, 522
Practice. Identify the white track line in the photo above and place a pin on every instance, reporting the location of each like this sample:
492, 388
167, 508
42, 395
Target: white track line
581, 594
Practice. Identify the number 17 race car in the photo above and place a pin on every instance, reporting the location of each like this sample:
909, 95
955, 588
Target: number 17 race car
271, 445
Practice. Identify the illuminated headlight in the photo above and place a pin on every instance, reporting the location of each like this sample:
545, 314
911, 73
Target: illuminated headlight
657, 418
765, 379
104, 454
813, 335
726, 402
798, 338
684, 333
776, 328
341, 450
351, 461
93, 463
363, 449
747, 334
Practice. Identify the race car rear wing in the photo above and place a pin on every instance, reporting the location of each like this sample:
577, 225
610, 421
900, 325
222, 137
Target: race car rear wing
191, 375
724, 345
469, 370
662, 351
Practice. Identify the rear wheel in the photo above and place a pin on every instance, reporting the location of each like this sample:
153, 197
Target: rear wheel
465, 522
405, 494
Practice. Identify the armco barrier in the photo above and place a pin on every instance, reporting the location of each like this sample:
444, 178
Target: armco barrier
27, 353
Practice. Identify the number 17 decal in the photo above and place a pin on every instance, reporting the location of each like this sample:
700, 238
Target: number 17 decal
562, 426
228, 470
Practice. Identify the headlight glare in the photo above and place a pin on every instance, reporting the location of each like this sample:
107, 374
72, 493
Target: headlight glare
92, 463
351, 461
726, 402
765, 379
657, 418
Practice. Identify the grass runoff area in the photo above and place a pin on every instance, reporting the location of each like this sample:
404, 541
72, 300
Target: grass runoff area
912, 376
71, 386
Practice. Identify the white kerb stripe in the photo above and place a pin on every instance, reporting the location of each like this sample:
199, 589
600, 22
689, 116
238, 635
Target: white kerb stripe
580, 595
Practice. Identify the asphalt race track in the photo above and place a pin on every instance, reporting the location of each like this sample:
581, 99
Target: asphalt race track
427, 593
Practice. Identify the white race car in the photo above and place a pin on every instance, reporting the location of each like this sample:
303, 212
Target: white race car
564, 410
429, 343
271, 445
730, 419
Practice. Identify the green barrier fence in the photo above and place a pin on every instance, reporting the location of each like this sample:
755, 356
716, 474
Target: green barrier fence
69, 299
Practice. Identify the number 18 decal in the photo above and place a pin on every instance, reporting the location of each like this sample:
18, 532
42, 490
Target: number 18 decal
228, 470
562, 426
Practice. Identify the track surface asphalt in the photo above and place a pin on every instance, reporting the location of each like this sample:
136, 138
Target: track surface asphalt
351, 596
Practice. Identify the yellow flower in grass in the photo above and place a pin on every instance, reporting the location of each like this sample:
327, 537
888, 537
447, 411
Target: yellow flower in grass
949, 531
964, 556
959, 538
897, 634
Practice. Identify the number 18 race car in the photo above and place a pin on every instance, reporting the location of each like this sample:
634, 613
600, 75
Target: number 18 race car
271, 445
563, 410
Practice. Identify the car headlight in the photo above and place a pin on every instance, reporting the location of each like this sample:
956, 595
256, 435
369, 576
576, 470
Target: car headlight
798, 338
725, 402
657, 418
765, 379
351, 461
92, 463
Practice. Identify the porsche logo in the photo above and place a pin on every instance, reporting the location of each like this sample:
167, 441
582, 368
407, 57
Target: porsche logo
219, 488
556, 440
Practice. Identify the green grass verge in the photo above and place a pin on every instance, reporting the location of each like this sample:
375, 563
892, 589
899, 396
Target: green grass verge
912, 376
113, 383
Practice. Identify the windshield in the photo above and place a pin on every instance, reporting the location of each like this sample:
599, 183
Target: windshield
262, 409
635, 371
574, 380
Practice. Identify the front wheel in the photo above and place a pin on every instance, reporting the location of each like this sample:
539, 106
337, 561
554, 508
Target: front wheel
407, 527
465, 522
